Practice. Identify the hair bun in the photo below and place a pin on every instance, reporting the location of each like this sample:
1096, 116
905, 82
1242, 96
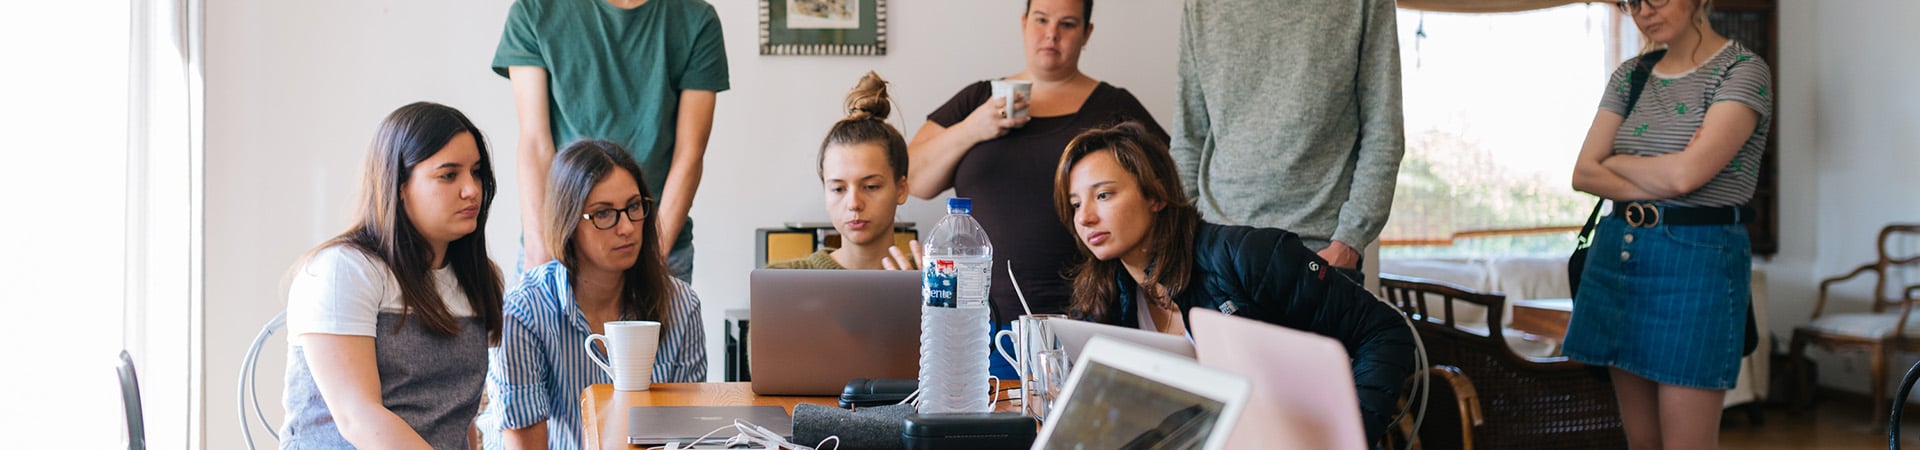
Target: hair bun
869, 99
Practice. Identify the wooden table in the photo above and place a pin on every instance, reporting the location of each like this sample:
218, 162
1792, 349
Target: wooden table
1546, 317
603, 411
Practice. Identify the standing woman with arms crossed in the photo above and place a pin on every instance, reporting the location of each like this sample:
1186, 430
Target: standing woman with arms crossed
1672, 263
389, 322
1006, 165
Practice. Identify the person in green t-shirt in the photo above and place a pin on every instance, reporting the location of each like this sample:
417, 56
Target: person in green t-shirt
641, 73
863, 176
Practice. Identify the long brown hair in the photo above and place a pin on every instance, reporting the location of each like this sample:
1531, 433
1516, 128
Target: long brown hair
867, 107
383, 232
645, 289
1169, 238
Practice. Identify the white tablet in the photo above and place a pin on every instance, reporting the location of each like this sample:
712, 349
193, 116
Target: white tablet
1124, 396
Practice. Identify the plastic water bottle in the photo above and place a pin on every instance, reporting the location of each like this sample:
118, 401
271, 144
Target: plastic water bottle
955, 272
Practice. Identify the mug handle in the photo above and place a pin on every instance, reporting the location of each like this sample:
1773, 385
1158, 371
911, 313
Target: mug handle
595, 356
1002, 349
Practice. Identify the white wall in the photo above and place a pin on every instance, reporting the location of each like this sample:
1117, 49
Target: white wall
1850, 150
295, 89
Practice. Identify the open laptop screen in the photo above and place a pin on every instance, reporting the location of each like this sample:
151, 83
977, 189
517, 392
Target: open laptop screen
1143, 399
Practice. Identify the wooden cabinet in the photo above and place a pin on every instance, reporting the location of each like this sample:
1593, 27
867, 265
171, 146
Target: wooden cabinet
1756, 25
797, 240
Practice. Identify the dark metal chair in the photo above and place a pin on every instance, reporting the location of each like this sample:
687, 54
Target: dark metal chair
1900, 404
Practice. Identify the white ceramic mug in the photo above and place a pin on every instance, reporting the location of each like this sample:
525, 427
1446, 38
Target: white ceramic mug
631, 346
1004, 89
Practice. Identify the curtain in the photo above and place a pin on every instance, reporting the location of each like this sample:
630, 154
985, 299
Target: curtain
1487, 6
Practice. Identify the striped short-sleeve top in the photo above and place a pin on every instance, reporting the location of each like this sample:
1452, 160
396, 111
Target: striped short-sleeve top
537, 372
1672, 107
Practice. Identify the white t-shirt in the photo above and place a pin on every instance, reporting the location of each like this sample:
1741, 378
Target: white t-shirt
343, 291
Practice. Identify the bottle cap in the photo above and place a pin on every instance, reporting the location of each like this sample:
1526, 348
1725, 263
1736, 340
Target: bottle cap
959, 205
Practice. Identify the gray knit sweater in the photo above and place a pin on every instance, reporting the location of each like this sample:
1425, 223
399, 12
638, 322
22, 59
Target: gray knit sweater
1289, 115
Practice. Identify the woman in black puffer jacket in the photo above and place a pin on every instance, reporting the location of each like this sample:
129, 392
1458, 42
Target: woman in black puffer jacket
1151, 258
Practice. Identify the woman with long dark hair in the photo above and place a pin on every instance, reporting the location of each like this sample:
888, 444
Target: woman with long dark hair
599, 219
1150, 260
389, 322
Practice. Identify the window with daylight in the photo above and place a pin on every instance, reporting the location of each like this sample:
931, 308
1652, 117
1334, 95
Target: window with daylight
1496, 106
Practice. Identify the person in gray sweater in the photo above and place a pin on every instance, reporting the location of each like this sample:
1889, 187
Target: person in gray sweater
1289, 117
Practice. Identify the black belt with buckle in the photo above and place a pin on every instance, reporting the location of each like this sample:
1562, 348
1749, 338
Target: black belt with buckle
1649, 215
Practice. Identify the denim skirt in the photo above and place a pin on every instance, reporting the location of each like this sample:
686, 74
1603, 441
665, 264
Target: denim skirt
1667, 303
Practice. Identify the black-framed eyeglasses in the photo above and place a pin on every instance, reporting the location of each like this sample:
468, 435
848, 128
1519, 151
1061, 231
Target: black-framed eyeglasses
1635, 6
607, 218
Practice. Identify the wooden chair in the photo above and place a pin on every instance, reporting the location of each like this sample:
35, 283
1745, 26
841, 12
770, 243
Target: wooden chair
1494, 397
1876, 332
1442, 427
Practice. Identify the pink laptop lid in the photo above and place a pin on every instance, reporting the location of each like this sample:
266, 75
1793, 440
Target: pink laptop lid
1303, 395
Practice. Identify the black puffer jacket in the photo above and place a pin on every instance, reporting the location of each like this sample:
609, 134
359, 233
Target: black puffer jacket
1267, 274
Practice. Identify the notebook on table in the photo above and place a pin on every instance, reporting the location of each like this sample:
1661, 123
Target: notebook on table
659, 425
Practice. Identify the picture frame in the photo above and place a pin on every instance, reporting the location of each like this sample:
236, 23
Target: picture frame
823, 27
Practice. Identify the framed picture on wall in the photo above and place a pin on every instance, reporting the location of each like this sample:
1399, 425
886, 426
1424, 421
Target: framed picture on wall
823, 27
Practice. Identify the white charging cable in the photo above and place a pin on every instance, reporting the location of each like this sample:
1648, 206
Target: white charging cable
1422, 385
752, 436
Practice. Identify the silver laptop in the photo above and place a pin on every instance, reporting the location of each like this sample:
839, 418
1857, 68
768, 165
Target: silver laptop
814, 330
659, 425
1074, 335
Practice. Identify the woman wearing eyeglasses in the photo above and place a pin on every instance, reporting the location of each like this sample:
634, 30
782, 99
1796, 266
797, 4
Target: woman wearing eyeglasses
598, 213
1664, 297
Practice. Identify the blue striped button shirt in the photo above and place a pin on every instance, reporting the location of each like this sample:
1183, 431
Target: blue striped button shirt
538, 370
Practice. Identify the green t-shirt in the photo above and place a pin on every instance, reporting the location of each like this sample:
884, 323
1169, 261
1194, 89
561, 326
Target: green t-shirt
616, 74
819, 259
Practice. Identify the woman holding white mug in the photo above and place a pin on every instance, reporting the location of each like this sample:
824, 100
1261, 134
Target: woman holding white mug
599, 214
983, 147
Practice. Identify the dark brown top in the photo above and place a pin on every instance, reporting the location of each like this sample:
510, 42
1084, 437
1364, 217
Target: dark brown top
1010, 180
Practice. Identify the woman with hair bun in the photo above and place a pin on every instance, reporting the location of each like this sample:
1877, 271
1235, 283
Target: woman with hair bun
863, 176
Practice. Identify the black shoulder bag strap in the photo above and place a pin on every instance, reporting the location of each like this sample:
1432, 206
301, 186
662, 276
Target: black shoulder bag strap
1577, 263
